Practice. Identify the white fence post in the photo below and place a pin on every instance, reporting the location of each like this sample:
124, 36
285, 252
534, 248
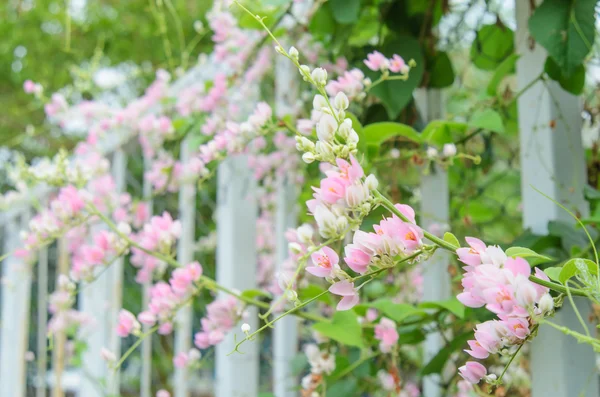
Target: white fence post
285, 333
115, 273
237, 374
42, 332
101, 299
146, 375
185, 255
435, 208
14, 329
58, 353
552, 160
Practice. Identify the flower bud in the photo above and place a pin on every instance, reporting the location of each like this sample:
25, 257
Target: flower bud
305, 233
371, 182
431, 152
293, 52
324, 149
449, 150
246, 328
341, 101
308, 157
326, 128
319, 102
345, 129
355, 195
304, 71
546, 303
291, 295
319, 75
280, 49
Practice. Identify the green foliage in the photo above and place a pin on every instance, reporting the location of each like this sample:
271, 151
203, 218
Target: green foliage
344, 328
397, 311
506, 68
492, 45
345, 11
436, 364
395, 95
487, 119
565, 28
526, 253
452, 305
439, 132
451, 238
576, 266
441, 71
573, 83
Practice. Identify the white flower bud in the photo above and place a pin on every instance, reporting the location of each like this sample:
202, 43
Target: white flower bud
345, 129
319, 102
246, 328
319, 75
295, 248
352, 137
198, 26
546, 303
449, 150
371, 182
341, 223
308, 157
124, 228
355, 195
280, 49
107, 355
432, 152
291, 295
326, 128
305, 233
293, 53
324, 149
341, 101
194, 355
304, 71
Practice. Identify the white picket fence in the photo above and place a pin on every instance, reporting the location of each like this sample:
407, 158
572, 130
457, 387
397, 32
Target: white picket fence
558, 371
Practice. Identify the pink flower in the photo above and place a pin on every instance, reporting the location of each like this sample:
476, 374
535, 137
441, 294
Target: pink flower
386, 332
181, 360
357, 259
376, 61
471, 256
165, 328
397, 65
472, 372
477, 351
163, 393
350, 172
325, 262
349, 294
127, 324
147, 318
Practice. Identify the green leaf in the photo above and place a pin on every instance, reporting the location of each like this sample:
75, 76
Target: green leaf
506, 68
492, 45
344, 328
396, 94
574, 266
523, 252
322, 23
439, 132
378, 133
451, 238
573, 83
487, 119
311, 291
397, 311
343, 388
553, 273
452, 305
254, 293
441, 74
436, 364
565, 28
345, 11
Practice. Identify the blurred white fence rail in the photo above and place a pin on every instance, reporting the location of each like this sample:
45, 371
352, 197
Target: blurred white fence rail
552, 160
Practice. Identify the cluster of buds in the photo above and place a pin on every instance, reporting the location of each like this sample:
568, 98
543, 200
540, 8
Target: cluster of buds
321, 363
336, 138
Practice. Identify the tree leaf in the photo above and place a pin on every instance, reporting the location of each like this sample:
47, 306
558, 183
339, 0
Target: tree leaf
451, 238
453, 305
573, 84
396, 94
397, 311
322, 23
345, 11
553, 273
523, 252
253, 293
437, 363
492, 45
506, 68
441, 73
439, 132
565, 28
572, 268
378, 133
487, 119
344, 328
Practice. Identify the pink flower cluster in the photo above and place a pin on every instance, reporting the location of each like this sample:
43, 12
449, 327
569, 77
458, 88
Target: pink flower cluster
31, 87
340, 191
88, 257
153, 132
351, 82
221, 316
502, 285
194, 99
386, 333
392, 237
127, 324
376, 61
160, 235
186, 359
165, 298
60, 305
